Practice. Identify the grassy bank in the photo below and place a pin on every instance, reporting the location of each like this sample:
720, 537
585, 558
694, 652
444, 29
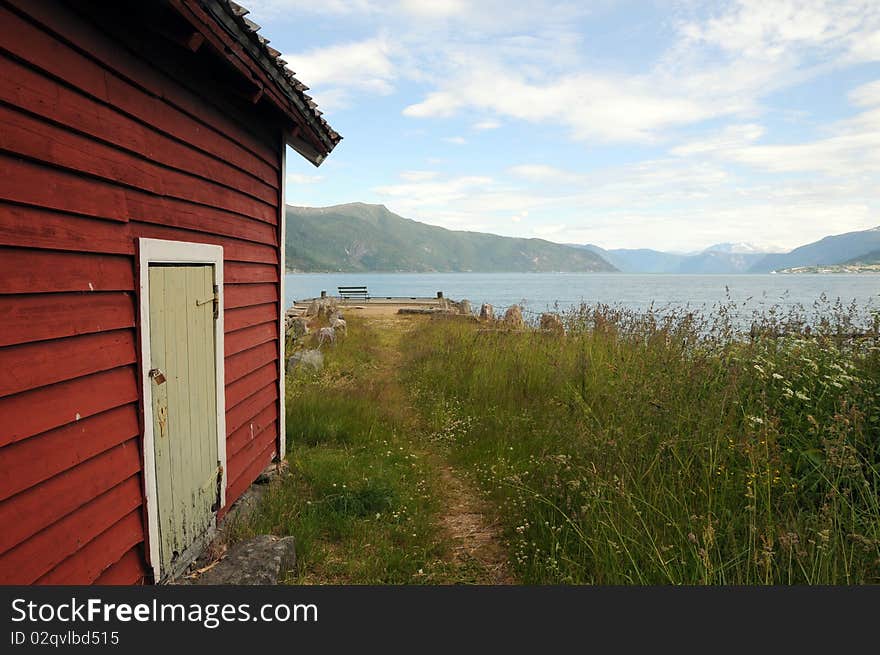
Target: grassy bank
647, 450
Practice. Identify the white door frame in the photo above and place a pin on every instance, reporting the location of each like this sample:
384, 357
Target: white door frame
159, 251
282, 310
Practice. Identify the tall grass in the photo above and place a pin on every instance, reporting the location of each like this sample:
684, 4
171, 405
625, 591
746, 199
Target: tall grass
667, 447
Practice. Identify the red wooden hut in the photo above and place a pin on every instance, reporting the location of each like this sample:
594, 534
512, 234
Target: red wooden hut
142, 155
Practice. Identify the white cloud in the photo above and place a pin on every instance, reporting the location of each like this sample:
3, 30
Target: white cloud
455, 140
434, 8
486, 125
418, 176
849, 147
299, 178
866, 95
719, 66
541, 173
335, 71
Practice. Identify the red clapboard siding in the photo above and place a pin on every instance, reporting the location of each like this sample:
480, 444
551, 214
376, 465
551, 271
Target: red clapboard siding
41, 553
39, 271
242, 363
23, 87
250, 384
239, 462
33, 365
34, 45
39, 228
242, 317
147, 208
235, 342
31, 511
128, 570
244, 295
233, 249
245, 411
90, 561
31, 461
248, 475
26, 414
244, 273
55, 315
34, 184
264, 420
36, 139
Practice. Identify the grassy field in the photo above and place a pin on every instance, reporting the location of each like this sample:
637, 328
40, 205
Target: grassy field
635, 449
652, 451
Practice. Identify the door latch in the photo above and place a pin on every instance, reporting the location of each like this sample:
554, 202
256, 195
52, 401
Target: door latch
157, 376
213, 299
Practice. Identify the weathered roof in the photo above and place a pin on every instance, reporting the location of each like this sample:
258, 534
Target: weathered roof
232, 18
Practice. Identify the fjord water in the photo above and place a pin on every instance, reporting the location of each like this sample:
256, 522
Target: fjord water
539, 291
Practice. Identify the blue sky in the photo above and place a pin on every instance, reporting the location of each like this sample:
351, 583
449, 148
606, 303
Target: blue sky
671, 125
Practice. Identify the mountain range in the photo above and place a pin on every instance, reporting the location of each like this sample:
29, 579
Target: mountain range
363, 237
850, 249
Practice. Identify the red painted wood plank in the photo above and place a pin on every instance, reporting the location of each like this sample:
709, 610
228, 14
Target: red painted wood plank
34, 227
247, 273
242, 317
89, 562
35, 138
245, 295
248, 475
265, 420
31, 365
130, 569
148, 208
53, 544
43, 316
34, 460
242, 363
233, 249
24, 87
35, 509
247, 386
235, 342
32, 412
242, 459
28, 183
40, 271
245, 411
153, 106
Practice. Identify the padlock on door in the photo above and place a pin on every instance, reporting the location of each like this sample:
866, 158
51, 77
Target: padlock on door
157, 375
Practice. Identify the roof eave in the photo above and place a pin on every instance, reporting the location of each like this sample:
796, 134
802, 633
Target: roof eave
310, 135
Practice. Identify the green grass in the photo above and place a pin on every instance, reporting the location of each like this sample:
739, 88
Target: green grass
665, 450
360, 497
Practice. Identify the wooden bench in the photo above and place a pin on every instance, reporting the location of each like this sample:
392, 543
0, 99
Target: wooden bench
348, 293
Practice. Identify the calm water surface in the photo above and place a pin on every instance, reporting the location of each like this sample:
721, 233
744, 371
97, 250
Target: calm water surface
540, 291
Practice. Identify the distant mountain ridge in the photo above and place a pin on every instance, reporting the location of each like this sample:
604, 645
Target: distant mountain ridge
363, 237
745, 258
831, 250
645, 260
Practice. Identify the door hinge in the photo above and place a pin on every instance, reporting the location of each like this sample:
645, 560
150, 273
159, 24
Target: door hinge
219, 489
